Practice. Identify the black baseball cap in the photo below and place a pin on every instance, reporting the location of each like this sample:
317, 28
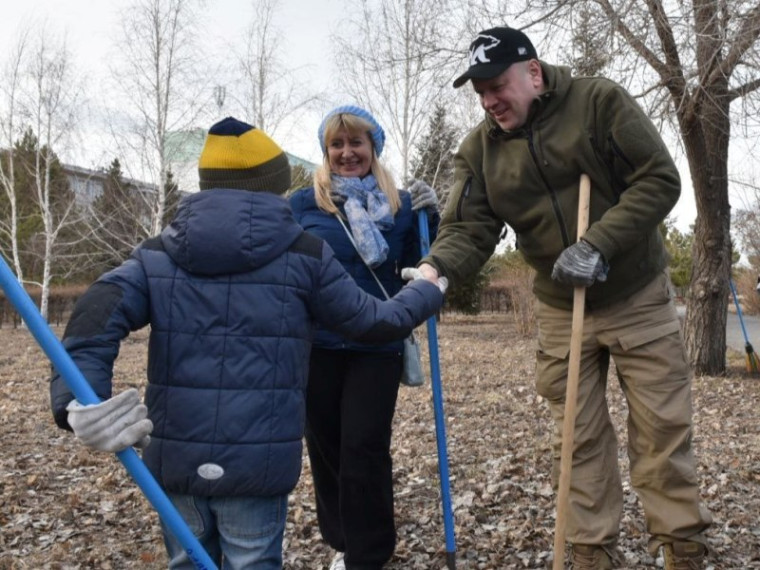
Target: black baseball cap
493, 51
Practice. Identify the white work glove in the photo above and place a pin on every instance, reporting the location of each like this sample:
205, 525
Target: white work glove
423, 196
112, 425
580, 265
412, 273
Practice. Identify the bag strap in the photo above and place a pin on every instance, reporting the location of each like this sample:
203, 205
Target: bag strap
351, 239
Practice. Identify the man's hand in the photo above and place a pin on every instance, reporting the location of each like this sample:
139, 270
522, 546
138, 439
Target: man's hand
112, 425
428, 272
580, 265
412, 273
423, 196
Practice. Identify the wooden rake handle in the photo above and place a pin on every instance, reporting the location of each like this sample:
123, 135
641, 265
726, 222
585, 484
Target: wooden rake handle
571, 395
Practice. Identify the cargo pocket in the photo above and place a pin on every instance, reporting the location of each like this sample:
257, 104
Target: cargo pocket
657, 356
640, 338
551, 371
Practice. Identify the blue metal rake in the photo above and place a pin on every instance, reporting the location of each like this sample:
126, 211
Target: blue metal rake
751, 359
440, 423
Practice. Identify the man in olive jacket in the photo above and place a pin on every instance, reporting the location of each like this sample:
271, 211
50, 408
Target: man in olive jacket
521, 166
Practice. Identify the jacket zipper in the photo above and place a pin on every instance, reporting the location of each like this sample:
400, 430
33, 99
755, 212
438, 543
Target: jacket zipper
463, 196
606, 167
619, 152
552, 194
618, 186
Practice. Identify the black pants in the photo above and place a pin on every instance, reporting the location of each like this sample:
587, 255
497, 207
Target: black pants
350, 403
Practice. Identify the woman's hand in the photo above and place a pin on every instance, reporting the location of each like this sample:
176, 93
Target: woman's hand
423, 196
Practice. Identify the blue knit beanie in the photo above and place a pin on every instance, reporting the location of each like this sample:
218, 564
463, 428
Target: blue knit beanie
377, 133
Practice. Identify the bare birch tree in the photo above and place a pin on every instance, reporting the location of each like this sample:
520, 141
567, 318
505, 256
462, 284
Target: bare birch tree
695, 65
49, 103
395, 59
159, 71
54, 117
271, 97
9, 123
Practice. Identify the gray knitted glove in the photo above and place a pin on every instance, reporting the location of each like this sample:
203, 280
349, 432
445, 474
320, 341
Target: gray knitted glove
412, 273
580, 265
112, 425
423, 196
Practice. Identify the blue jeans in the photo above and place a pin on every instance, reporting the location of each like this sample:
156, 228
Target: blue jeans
238, 533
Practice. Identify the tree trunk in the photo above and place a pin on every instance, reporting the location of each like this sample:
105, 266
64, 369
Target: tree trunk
706, 142
46, 263
707, 304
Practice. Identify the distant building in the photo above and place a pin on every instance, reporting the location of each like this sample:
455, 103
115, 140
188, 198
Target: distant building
183, 148
88, 185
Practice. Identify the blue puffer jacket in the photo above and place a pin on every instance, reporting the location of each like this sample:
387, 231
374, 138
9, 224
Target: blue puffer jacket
403, 251
231, 290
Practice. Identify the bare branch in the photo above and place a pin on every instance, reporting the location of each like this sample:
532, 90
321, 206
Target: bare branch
405, 72
744, 40
744, 90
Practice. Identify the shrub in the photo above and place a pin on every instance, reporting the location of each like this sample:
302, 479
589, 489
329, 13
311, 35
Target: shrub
60, 304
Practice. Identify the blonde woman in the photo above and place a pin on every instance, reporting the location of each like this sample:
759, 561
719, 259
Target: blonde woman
351, 396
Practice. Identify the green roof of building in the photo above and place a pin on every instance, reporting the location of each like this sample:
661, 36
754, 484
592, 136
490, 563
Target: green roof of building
186, 146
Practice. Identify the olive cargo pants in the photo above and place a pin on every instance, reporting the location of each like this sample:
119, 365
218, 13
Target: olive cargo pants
642, 334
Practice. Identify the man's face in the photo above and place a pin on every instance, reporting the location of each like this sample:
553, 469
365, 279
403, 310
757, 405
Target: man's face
507, 97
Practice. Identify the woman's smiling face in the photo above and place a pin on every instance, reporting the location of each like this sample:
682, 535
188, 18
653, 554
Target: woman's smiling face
349, 154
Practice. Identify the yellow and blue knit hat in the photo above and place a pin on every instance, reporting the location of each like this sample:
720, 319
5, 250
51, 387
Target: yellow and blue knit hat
239, 156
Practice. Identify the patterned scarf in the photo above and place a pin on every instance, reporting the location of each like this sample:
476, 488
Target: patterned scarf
368, 214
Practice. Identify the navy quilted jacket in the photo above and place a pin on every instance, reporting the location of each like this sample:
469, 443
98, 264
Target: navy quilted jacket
403, 251
232, 290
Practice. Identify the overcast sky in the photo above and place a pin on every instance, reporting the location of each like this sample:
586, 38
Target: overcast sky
90, 27
306, 25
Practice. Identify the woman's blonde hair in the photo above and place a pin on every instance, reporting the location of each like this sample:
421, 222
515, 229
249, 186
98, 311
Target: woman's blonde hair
322, 175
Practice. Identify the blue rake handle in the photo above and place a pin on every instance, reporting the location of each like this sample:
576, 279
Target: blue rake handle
440, 424
83, 392
738, 310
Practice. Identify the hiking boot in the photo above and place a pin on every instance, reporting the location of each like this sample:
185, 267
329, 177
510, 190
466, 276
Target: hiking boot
686, 555
590, 557
337, 562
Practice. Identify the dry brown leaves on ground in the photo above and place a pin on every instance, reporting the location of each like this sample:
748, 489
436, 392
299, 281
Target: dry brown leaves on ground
65, 508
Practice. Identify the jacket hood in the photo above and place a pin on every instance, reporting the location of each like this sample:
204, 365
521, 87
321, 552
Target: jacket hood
222, 231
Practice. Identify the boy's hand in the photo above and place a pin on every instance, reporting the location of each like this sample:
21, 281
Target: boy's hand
112, 425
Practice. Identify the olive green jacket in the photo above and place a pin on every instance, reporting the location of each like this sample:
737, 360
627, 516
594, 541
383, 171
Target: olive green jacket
528, 178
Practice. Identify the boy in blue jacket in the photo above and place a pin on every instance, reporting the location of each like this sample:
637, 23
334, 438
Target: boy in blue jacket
232, 290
